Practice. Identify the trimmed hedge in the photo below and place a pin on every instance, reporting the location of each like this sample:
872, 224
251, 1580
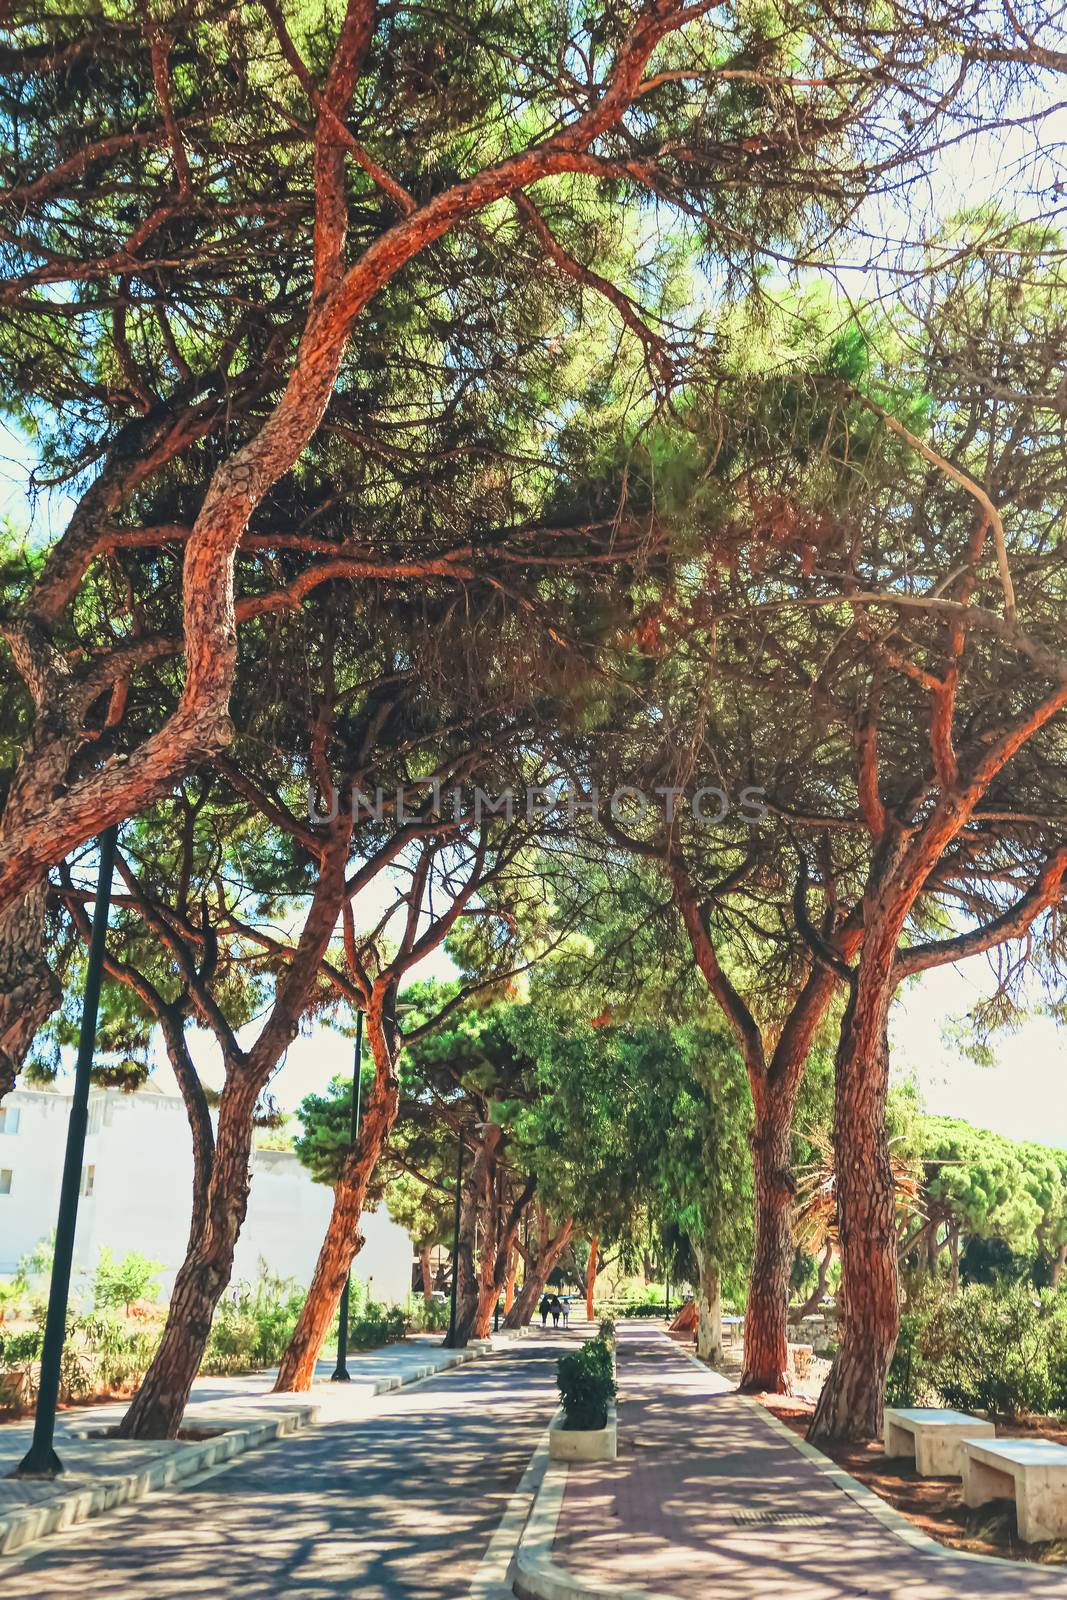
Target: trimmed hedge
586, 1381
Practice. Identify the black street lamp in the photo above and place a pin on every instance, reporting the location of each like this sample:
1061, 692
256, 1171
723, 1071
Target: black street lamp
340, 1373
40, 1460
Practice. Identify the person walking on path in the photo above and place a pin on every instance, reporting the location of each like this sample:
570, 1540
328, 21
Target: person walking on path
544, 1308
555, 1309
565, 1306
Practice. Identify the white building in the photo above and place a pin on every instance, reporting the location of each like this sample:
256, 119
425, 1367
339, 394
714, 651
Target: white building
136, 1193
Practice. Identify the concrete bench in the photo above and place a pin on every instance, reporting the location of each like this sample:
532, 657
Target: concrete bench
1033, 1472
933, 1437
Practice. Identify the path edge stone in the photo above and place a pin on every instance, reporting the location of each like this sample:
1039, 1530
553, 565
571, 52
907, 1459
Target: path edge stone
538, 1576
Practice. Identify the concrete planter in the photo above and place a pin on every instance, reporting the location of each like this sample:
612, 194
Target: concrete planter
583, 1444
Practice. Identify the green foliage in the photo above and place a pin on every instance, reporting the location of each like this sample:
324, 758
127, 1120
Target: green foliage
252, 1325
988, 1348
586, 1382
120, 1283
429, 1316
908, 1382
101, 1355
606, 1330
326, 1120
116, 1356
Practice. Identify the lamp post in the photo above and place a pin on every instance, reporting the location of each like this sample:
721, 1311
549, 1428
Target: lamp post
340, 1372
41, 1461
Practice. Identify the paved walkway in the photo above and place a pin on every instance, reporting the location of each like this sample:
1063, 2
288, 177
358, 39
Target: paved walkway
685, 1511
395, 1498
97, 1467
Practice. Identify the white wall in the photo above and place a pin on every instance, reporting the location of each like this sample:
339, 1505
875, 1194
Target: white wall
139, 1146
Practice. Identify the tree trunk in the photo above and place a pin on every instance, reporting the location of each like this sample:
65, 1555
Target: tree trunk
509, 1283
954, 1257
814, 1300
1058, 1265
29, 990
850, 1406
766, 1358
537, 1273
157, 1408
476, 1205
500, 1235
590, 1276
427, 1274
343, 1240
709, 1307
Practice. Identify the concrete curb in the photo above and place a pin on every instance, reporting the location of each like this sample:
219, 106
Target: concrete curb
456, 1358
22, 1527
430, 1369
537, 1575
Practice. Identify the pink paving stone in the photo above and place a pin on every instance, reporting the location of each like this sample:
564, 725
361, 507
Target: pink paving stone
694, 1460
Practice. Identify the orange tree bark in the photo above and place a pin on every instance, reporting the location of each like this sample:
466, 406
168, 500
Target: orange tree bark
590, 1277
343, 1241
476, 1191
495, 1263
850, 1406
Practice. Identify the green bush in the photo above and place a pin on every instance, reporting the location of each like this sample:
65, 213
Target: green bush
607, 1330
429, 1316
113, 1356
586, 1382
99, 1355
377, 1325
120, 1283
996, 1348
252, 1326
908, 1380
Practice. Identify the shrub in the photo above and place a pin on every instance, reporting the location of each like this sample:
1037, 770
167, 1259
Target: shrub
997, 1349
113, 1356
430, 1316
606, 1330
120, 1283
586, 1384
377, 1325
98, 1356
908, 1383
252, 1326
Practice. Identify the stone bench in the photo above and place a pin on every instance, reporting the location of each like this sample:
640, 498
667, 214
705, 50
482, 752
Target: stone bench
933, 1437
1033, 1472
